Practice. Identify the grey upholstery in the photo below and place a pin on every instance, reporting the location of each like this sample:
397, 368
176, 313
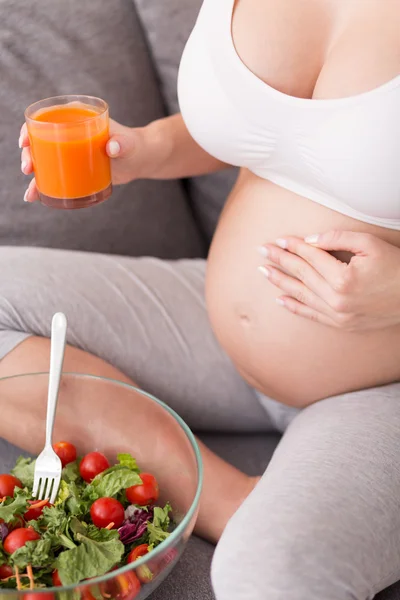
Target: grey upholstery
49, 48
126, 51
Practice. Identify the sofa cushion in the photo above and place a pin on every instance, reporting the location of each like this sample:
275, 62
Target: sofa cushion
168, 25
49, 48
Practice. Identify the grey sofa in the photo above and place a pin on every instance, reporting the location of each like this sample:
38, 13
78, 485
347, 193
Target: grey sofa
126, 51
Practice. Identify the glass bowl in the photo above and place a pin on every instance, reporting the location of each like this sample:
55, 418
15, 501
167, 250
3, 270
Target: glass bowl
155, 435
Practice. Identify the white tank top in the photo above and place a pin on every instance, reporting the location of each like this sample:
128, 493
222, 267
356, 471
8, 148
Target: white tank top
342, 153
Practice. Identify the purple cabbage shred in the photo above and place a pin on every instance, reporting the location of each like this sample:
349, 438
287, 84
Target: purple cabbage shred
135, 525
3, 531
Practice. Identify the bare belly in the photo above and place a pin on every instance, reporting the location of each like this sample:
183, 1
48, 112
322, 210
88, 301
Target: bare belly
286, 357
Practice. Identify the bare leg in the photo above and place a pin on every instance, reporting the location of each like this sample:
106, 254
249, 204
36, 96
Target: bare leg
221, 480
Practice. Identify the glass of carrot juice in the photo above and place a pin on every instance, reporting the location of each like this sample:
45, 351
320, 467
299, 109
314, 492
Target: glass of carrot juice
68, 137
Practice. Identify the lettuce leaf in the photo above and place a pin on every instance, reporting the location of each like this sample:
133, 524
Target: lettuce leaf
91, 558
3, 556
14, 506
54, 520
111, 483
37, 554
63, 493
70, 473
24, 470
127, 460
76, 504
158, 528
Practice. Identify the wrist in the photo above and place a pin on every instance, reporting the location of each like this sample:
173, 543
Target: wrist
157, 148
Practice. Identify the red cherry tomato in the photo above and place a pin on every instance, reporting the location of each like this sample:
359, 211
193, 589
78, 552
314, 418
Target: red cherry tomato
144, 573
92, 464
8, 483
33, 513
137, 552
18, 538
66, 452
123, 587
107, 510
56, 579
5, 571
144, 494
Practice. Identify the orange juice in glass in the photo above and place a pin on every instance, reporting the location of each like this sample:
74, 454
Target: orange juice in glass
68, 137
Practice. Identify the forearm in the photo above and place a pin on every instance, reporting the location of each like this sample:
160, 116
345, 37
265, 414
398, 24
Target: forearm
175, 153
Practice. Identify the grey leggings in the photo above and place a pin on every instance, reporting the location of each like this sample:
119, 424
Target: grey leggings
323, 523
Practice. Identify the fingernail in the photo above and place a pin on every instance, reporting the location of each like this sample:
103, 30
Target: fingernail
266, 272
114, 148
280, 301
20, 141
263, 251
24, 164
281, 243
312, 239
26, 195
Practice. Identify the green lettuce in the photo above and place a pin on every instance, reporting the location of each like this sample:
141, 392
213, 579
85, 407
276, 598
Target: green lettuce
63, 493
3, 556
127, 460
91, 558
24, 471
111, 484
71, 472
36, 553
158, 528
14, 506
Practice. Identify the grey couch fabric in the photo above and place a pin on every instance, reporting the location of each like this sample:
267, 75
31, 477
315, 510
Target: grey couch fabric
49, 48
168, 25
131, 59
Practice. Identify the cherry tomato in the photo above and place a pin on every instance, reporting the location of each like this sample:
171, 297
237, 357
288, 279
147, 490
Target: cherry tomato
107, 510
123, 587
92, 464
8, 483
56, 579
144, 573
32, 514
5, 571
66, 452
144, 494
18, 538
137, 552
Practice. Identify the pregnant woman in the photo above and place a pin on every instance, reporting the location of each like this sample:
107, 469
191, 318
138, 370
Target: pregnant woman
295, 323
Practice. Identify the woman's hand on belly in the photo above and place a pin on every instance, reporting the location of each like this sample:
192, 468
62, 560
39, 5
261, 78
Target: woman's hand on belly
361, 295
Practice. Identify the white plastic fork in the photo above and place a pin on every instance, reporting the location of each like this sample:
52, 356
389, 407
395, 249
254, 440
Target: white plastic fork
48, 466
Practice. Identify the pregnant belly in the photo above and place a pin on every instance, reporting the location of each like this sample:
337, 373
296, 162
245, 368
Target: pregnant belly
286, 357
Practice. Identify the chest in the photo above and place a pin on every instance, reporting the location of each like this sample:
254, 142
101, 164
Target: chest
302, 94
318, 48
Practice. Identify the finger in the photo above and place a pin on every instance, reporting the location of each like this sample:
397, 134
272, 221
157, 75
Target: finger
23, 141
358, 243
299, 268
331, 270
26, 161
31, 194
302, 310
297, 290
124, 141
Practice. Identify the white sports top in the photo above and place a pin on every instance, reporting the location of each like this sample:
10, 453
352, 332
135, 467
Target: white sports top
342, 153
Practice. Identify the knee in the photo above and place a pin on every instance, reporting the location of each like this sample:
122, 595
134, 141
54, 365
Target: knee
279, 564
